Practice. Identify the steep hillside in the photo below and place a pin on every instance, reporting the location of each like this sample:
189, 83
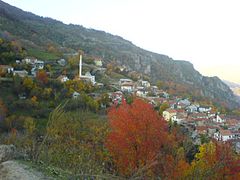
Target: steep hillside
40, 33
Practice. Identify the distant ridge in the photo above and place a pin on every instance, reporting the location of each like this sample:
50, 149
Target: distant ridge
234, 87
37, 32
231, 84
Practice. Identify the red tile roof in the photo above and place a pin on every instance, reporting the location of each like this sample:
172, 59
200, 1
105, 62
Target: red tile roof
171, 110
225, 132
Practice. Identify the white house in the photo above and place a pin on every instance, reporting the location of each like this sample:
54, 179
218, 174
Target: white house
178, 118
211, 114
18, 61
89, 77
63, 78
144, 83
181, 105
185, 102
223, 135
127, 87
39, 64
204, 109
62, 62
75, 95
121, 81
219, 119
98, 62
29, 61
192, 108
169, 113
141, 92
154, 90
22, 73
165, 95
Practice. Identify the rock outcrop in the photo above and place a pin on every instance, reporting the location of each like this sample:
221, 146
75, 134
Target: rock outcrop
7, 152
13, 170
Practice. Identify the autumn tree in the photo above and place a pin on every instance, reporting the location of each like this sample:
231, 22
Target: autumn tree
28, 83
47, 92
48, 67
105, 99
2, 72
110, 68
137, 135
215, 161
172, 160
163, 107
42, 76
78, 86
52, 48
13, 122
73, 61
159, 84
10, 51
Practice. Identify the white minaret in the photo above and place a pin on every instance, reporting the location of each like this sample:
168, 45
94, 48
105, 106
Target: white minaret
80, 66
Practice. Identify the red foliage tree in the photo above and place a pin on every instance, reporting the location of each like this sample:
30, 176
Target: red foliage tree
137, 136
228, 162
42, 76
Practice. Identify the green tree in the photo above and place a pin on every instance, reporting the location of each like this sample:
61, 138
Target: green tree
105, 99
163, 107
28, 83
47, 92
159, 84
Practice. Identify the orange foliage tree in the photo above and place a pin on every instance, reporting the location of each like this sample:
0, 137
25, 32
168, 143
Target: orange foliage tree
137, 135
42, 76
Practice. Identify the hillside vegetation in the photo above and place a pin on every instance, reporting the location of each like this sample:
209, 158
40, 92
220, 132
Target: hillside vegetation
54, 37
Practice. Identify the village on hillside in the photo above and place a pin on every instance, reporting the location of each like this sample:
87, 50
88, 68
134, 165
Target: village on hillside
200, 122
197, 120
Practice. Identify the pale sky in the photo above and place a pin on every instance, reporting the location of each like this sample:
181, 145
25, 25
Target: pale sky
204, 32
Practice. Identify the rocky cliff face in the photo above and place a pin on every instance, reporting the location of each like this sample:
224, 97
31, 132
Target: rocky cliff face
36, 31
161, 67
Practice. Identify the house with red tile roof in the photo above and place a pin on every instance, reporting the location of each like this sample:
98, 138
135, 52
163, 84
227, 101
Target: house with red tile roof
224, 135
201, 129
219, 118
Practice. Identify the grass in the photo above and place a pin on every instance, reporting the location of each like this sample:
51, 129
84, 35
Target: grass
117, 76
42, 54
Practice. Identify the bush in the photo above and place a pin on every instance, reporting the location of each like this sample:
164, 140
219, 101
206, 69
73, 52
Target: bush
83, 102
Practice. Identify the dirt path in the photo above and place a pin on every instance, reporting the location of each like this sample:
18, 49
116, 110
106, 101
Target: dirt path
13, 170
